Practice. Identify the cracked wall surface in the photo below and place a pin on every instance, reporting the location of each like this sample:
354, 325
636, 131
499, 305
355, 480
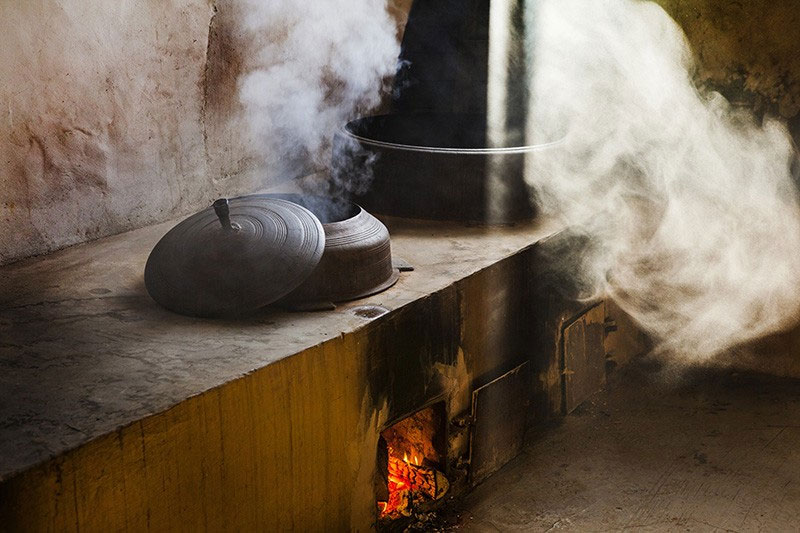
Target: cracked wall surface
102, 108
747, 50
120, 114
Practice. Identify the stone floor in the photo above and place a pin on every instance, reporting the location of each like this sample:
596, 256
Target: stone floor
697, 450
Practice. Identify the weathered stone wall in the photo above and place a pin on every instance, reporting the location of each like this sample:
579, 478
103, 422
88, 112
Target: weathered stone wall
119, 114
102, 118
748, 50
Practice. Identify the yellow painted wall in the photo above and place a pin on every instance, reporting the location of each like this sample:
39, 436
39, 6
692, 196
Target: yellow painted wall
280, 449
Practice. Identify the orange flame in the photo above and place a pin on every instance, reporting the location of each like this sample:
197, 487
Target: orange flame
408, 483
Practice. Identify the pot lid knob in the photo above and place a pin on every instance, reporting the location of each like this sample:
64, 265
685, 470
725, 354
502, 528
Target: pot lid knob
223, 211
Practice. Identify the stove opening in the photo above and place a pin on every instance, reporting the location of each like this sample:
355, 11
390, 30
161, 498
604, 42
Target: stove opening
411, 461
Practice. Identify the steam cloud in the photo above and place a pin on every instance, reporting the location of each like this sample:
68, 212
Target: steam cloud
688, 203
320, 63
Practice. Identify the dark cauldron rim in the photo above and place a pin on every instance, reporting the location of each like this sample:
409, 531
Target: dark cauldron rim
347, 130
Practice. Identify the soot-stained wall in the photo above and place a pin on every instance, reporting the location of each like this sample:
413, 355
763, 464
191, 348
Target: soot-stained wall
746, 49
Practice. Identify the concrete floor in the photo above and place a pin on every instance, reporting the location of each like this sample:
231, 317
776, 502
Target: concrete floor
705, 450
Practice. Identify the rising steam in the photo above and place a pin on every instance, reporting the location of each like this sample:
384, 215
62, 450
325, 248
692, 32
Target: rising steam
688, 203
320, 63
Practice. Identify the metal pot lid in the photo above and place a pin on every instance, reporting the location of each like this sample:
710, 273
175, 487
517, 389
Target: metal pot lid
234, 257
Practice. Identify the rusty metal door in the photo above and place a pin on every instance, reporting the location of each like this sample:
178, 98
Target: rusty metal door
584, 357
499, 412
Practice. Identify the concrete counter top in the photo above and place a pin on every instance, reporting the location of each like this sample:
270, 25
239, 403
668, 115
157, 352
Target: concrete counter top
85, 351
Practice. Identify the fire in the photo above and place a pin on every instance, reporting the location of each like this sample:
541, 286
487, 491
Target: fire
410, 483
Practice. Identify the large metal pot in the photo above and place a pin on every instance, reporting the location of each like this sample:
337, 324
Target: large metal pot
434, 166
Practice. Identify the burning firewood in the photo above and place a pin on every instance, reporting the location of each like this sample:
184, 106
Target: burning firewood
410, 484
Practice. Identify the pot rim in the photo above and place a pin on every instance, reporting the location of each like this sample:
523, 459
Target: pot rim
289, 196
446, 150
359, 211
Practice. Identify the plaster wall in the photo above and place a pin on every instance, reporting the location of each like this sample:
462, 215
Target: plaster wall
102, 113
748, 50
115, 115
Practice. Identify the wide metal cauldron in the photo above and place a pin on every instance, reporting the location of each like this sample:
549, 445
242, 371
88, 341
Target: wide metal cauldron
434, 166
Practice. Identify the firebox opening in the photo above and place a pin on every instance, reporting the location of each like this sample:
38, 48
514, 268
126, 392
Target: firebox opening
411, 463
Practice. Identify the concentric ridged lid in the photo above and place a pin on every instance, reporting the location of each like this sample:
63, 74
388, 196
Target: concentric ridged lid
234, 257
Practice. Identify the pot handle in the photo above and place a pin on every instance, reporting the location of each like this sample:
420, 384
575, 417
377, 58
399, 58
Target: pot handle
222, 209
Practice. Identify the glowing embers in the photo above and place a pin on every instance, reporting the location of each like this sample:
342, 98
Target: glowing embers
409, 461
411, 485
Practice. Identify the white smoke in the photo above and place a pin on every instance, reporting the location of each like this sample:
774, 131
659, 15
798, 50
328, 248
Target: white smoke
689, 204
320, 63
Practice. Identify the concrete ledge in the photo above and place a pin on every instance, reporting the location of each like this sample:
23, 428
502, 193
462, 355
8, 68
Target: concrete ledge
117, 413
